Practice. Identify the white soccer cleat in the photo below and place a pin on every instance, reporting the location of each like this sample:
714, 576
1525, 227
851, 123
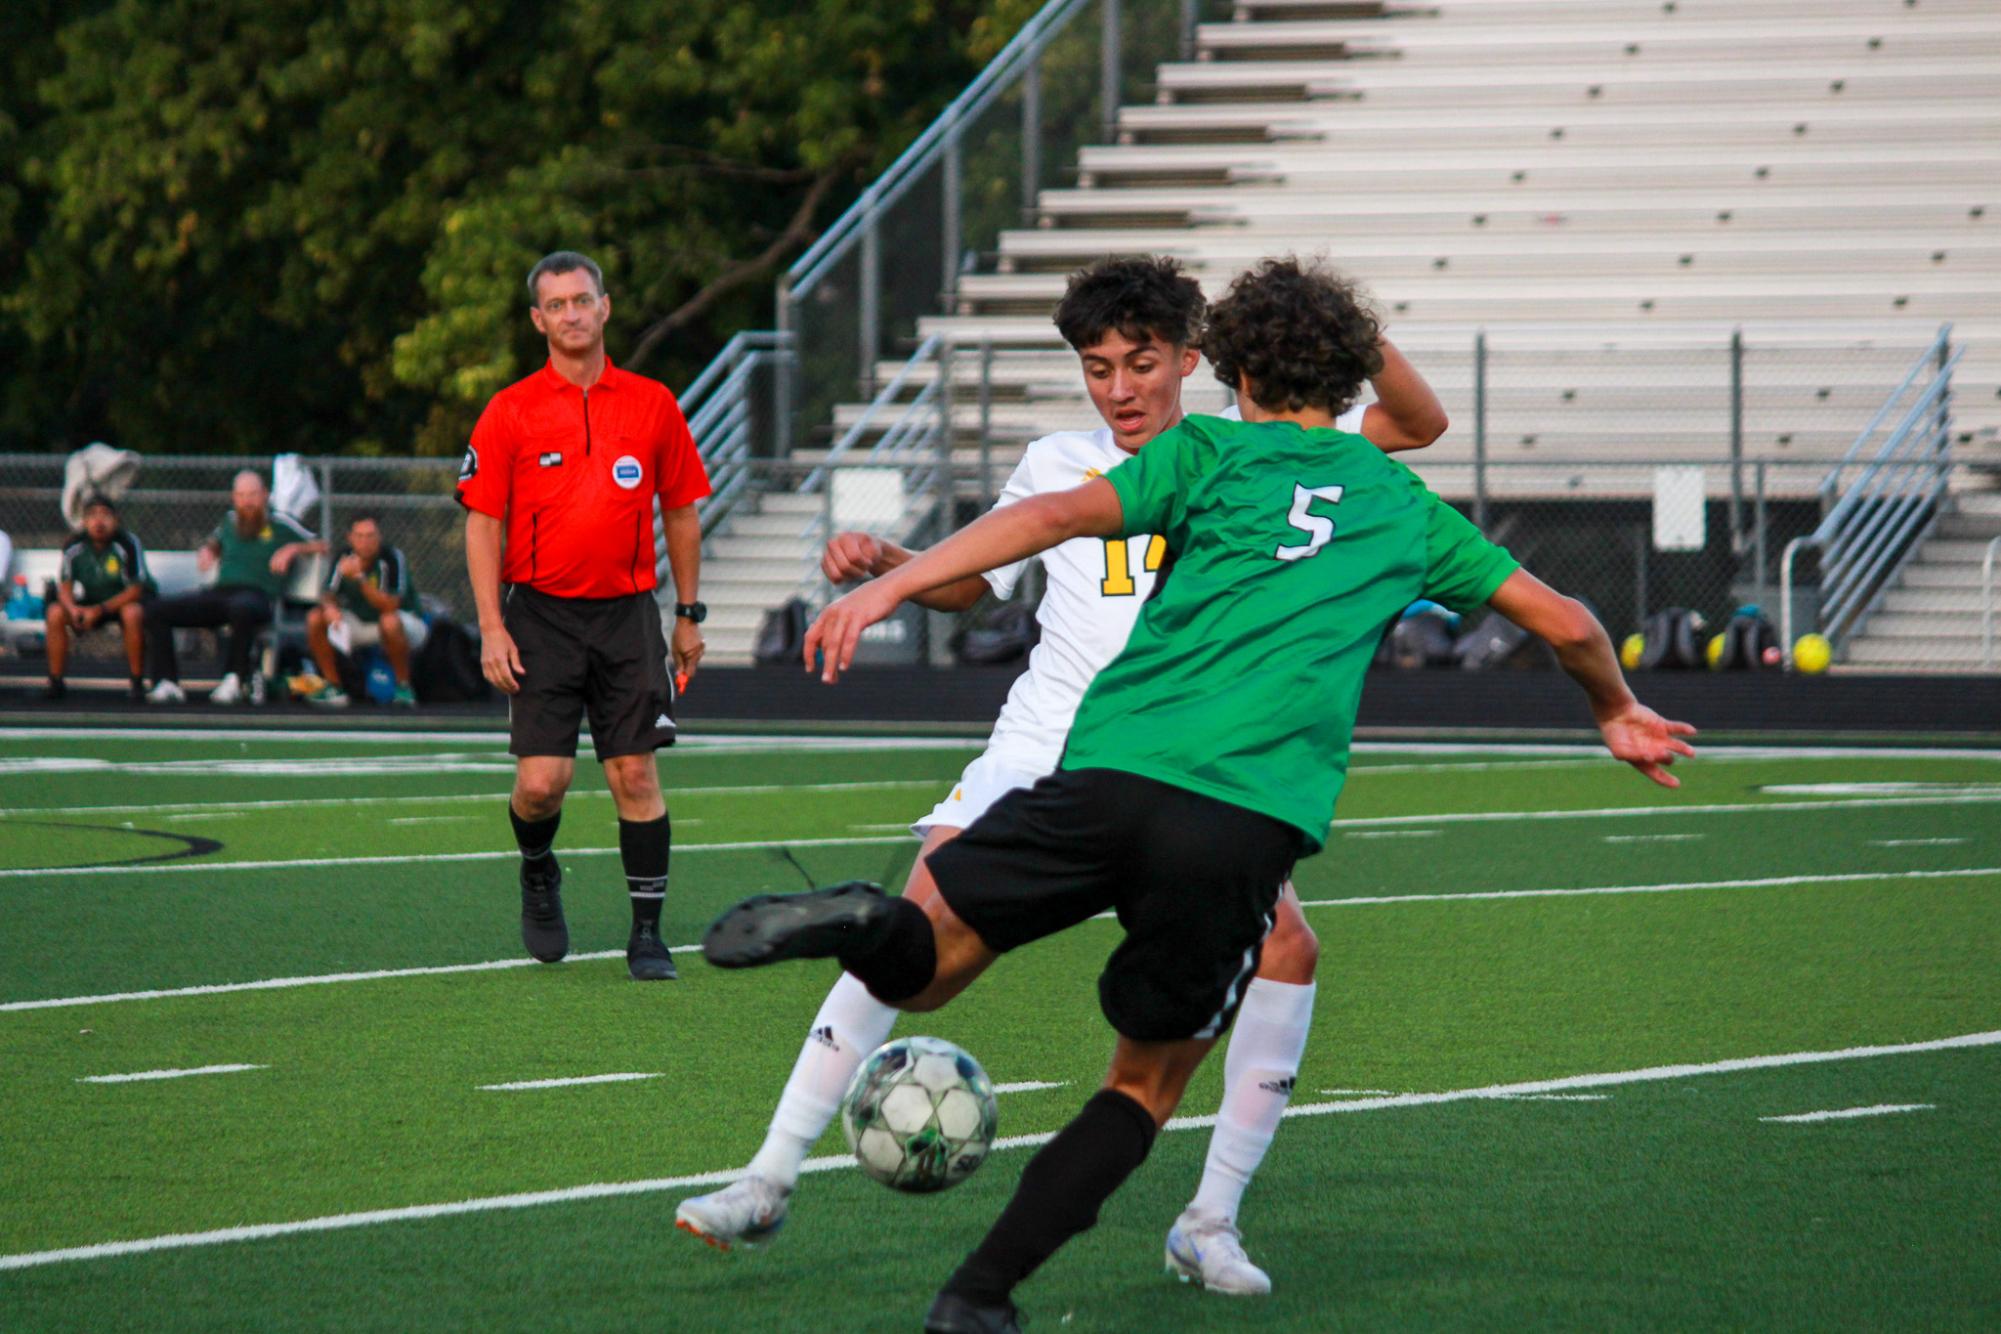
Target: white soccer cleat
747, 1212
229, 690
1208, 1249
166, 692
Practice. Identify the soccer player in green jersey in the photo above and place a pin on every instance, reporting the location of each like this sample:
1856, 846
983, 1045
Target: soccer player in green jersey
103, 582
1204, 759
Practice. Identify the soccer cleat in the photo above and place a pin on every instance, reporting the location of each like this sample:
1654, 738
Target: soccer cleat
747, 1212
404, 698
167, 692
136, 692
54, 690
1208, 1249
767, 928
953, 1314
328, 697
229, 690
646, 957
543, 930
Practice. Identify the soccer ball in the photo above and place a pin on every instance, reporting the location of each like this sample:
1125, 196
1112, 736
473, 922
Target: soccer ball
919, 1115
1812, 654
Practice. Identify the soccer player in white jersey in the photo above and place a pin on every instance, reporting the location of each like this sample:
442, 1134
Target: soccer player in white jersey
1135, 324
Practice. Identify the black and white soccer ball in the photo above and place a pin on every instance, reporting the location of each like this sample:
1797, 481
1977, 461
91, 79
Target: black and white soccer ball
919, 1115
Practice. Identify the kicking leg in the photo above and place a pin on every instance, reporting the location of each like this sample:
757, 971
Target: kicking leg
1259, 1070
851, 1023
1064, 1185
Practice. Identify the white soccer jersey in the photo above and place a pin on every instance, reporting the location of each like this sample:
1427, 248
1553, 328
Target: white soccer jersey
1096, 586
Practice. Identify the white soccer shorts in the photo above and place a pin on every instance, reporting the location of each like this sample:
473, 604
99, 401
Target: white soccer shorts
985, 781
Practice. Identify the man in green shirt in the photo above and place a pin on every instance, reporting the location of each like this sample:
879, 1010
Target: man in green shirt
102, 583
369, 599
251, 552
1204, 759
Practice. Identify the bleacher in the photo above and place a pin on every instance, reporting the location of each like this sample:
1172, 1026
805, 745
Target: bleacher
1608, 189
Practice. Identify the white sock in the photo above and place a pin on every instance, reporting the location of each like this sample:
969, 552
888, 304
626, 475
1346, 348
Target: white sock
1258, 1073
850, 1025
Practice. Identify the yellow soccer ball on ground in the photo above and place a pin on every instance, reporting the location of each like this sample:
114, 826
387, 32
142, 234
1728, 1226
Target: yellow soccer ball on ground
1812, 653
1631, 651
1712, 653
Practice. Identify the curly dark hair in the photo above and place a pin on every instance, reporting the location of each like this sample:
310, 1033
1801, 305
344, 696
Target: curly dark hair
1140, 296
1299, 334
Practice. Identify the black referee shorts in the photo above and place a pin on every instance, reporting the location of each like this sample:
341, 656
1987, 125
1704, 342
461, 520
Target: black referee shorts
603, 656
1194, 882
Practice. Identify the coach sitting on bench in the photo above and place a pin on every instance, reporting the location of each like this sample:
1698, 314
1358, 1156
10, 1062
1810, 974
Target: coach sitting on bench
369, 600
251, 551
102, 583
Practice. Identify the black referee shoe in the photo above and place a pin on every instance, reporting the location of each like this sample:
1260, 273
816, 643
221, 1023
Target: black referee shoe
543, 930
646, 956
768, 928
953, 1314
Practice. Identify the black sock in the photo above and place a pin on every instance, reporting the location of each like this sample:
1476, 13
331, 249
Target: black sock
644, 846
896, 957
536, 838
1060, 1191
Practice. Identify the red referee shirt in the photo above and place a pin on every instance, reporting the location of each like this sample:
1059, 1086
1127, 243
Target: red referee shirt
573, 475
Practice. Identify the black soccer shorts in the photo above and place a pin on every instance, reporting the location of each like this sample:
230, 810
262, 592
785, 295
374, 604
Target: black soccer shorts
606, 657
1194, 882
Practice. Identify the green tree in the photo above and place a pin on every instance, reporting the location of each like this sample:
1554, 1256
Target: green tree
252, 225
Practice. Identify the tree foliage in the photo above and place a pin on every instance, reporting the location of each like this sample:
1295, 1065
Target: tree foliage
252, 225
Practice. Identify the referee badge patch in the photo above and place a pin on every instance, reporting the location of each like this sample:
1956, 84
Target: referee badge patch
627, 472
469, 466
553, 459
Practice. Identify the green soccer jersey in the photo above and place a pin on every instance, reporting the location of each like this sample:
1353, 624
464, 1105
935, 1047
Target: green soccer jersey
95, 575
246, 561
390, 574
1293, 550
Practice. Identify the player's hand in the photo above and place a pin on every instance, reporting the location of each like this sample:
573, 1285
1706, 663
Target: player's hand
90, 616
1647, 741
349, 567
500, 660
687, 646
205, 559
330, 614
839, 628
850, 557
281, 560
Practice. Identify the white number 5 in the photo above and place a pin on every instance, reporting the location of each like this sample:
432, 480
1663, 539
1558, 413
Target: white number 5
1317, 527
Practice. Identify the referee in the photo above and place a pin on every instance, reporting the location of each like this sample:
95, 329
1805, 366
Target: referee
558, 486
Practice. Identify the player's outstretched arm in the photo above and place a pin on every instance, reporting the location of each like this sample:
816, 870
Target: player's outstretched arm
1632, 731
852, 557
999, 537
1406, 413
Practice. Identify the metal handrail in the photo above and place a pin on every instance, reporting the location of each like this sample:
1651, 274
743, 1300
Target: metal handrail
1874, 527
1020, 52
1933, 355
1987, 603
925, 351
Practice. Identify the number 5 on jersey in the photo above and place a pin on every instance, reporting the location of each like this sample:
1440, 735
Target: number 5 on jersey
1118, 567
1318, 528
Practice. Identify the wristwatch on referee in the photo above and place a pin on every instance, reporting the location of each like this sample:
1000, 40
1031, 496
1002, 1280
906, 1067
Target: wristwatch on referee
692, 611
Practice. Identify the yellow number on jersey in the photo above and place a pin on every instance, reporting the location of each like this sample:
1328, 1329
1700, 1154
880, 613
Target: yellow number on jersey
1118, 567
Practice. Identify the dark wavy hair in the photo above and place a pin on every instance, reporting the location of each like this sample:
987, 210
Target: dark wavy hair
1140, 296
1299, 334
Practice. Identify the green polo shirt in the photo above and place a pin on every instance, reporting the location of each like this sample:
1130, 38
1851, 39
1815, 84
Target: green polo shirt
246, 561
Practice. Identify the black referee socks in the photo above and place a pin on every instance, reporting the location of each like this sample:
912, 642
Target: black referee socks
644, 846
536, 838
1060, 1191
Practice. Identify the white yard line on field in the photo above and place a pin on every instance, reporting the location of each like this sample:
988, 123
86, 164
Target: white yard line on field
1654, 838
1849, 1113
322, 979
1389, 833
169, 1074
405, 799
625, 1077
498, 854
1030, 1085
1917, 842
606, 1190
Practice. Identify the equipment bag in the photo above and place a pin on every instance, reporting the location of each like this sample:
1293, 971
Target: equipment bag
446, 670
1673, 640
781, 635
